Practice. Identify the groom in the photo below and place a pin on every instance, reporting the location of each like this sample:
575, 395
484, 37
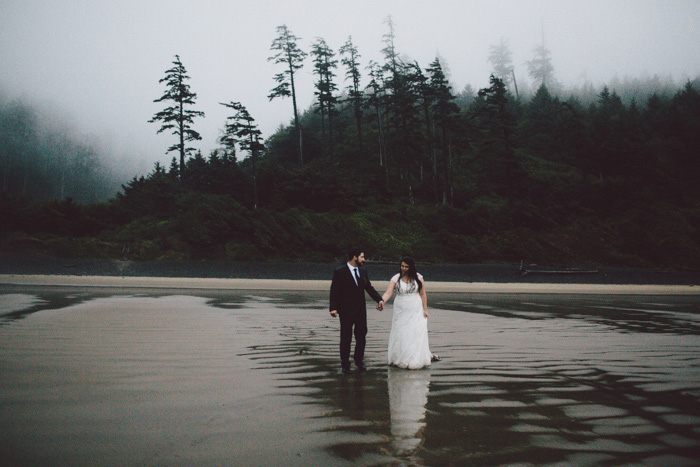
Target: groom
347, 300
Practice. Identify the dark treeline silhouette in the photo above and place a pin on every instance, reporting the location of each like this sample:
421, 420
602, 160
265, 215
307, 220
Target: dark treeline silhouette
408, 166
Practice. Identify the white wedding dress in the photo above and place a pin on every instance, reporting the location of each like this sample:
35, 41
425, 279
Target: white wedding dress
408, 341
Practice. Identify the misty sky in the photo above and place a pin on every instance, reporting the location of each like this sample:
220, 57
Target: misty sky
98, 62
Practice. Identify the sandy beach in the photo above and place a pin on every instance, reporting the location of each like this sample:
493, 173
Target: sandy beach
141, 371
198, 283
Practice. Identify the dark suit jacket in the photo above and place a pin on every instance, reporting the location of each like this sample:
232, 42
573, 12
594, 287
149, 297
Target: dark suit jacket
348, 298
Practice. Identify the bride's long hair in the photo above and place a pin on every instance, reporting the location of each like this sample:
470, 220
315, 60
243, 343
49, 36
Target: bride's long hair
411, 273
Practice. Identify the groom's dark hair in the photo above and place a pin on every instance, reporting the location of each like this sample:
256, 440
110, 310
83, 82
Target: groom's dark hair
352, 252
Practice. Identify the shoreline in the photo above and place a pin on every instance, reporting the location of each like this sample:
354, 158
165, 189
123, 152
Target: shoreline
199, 283
17, 264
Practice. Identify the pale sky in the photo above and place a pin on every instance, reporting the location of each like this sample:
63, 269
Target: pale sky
97, 62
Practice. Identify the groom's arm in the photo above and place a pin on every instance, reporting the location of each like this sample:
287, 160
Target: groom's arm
333, 302
373, 293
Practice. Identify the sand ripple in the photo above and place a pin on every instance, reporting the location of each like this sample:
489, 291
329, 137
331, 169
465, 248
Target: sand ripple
253, 379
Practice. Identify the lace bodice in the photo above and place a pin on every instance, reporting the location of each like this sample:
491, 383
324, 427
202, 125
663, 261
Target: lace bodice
403, 288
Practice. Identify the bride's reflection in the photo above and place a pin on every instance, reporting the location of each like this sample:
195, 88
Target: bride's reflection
408, 395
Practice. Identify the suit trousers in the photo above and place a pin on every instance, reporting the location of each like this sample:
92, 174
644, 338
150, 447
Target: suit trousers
350, 322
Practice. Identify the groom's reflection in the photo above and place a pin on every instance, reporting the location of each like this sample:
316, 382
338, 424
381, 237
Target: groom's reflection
408, 395
352, 398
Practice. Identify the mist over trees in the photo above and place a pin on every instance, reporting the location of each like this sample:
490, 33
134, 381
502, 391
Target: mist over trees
501, 58
38, 161
408, 165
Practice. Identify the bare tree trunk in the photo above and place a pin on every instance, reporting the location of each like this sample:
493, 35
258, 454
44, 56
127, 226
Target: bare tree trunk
446, 151
254, 154
382, 157
358, 120
296, 114
182, 141
435, 168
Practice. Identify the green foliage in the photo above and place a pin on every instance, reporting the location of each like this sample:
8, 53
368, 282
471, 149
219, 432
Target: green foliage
547, 180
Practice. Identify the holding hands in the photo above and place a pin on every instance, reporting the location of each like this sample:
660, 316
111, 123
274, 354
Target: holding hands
380, 305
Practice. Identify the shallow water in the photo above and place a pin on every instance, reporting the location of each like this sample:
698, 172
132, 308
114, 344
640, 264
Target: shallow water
253, 379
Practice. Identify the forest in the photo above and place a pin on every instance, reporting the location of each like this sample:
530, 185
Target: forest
40, 159
404, 165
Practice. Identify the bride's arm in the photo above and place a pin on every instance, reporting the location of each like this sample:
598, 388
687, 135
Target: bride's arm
424, 298
389, 291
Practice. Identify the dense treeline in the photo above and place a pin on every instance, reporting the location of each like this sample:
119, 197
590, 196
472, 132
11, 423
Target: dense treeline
407, 166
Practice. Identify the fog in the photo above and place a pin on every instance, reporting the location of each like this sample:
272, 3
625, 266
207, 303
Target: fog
98, 62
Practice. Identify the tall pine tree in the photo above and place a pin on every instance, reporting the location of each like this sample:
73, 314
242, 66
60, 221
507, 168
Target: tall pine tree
376, 100
241, 129
177, 117
292, 57
324, 66
445, 112
499, 126
352, 72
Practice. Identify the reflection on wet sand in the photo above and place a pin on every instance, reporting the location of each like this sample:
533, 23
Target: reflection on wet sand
523, 381
408, 395
253, 379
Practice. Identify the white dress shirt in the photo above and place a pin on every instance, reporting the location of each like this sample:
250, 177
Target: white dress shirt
352, 272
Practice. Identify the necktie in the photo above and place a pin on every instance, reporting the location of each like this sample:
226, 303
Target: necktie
357, 277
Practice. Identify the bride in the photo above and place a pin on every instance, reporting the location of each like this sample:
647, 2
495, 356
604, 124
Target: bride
408, 341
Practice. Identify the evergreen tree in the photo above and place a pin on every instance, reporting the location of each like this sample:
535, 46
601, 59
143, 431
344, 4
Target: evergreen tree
350, 60
376, 99
427, 103
198, 176
173, 171
445, 111
617, 139
402, 94
541, 69
292, 57
177, 117
684, 125
502, 61
324, 66
540, 123
241, 129
229, 143
499, 126
391, 57
403, 102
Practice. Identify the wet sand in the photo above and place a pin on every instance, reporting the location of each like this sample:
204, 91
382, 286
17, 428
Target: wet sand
210, 283
167, 377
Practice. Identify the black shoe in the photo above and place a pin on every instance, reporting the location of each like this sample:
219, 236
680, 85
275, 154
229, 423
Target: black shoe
361, 366
346, 371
